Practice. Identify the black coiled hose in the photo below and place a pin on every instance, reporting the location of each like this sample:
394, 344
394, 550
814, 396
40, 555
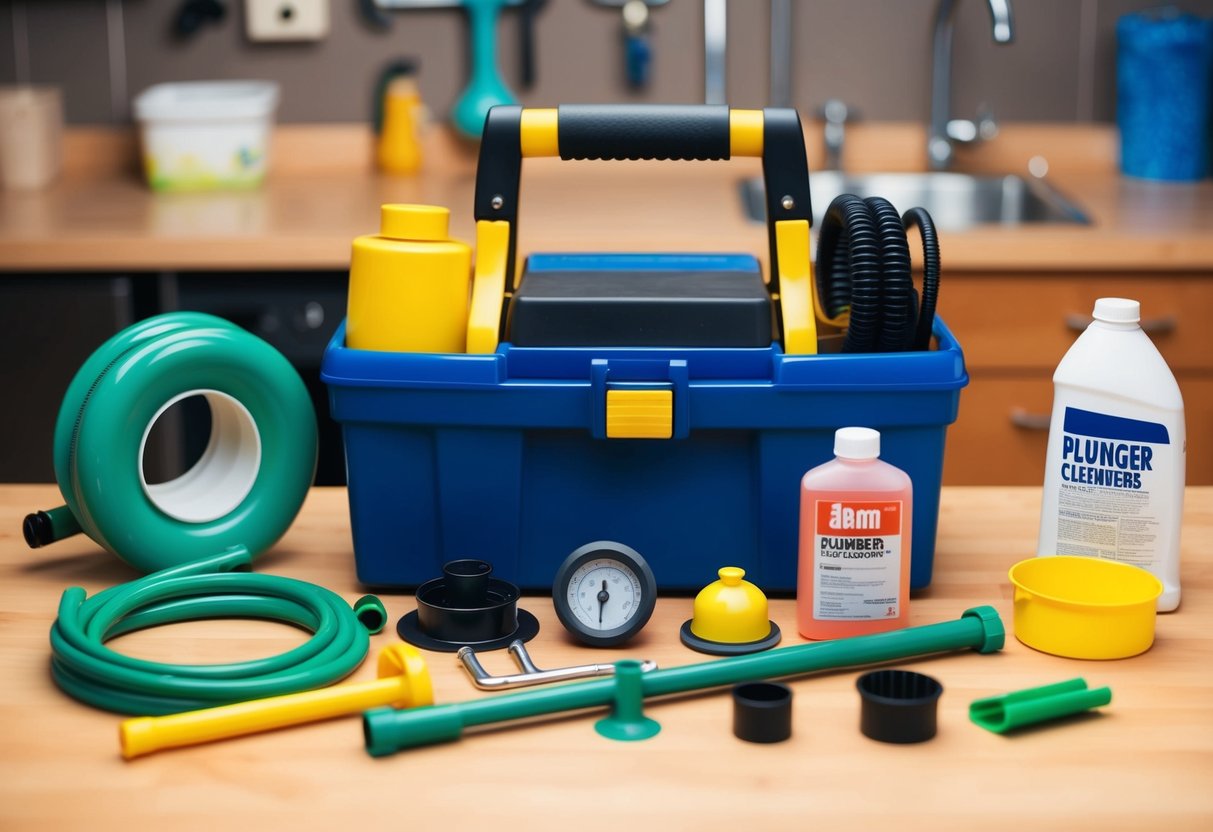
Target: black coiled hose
930, 273
863, 268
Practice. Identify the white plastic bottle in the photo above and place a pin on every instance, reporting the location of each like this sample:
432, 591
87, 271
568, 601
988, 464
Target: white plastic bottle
1114, 479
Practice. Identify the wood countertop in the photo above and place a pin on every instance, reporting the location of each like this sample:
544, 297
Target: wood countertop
1145, 761
320, 195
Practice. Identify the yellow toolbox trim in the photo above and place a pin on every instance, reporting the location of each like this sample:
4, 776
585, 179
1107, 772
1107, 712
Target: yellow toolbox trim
796, 295
488, 285
538, 133
639, 414
745, 132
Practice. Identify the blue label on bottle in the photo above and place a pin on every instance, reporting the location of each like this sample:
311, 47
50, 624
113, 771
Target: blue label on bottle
1108, 451
1102, 425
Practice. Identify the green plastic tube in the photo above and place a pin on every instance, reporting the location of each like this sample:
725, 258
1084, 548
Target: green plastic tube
371, 613
387, 731
262, 448
1034, 705
86, 669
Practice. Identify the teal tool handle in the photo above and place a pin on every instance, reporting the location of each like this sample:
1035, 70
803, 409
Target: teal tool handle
388, 730
485, 88
1033, 705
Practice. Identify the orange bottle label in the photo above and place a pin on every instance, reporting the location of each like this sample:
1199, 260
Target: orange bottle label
856, 560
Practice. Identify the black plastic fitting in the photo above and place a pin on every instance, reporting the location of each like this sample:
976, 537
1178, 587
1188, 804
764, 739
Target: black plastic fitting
898, 706
762, 712
38, 530
467, 607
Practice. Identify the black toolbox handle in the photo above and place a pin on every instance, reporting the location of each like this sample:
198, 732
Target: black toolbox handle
642, 131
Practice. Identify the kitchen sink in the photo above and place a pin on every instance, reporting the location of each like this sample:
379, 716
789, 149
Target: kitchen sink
954, 200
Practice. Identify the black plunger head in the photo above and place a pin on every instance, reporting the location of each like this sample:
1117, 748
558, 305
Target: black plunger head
467, 607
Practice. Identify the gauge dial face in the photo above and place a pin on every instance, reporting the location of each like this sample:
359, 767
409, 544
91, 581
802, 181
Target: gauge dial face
604, 593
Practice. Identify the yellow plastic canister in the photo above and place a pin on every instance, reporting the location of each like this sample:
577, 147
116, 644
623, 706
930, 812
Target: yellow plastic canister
1084, 608
409, 284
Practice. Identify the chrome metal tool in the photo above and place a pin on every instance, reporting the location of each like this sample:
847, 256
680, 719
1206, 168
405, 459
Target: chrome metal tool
531, 674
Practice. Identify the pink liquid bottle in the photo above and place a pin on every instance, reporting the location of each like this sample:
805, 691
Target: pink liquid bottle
855, 513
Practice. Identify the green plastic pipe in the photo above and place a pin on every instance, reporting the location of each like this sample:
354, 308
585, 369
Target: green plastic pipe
387, 730
1021, 708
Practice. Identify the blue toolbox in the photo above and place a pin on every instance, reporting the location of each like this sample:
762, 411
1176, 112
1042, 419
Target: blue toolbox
593, 404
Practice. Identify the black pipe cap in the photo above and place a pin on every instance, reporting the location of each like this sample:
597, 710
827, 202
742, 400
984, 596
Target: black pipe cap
898, 706
37, 530
762, 712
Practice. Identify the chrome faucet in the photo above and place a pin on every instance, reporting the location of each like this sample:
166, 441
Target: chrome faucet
944, 130
835, 114
715, 39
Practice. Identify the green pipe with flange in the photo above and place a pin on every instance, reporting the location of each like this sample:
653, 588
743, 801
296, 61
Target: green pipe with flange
387, 730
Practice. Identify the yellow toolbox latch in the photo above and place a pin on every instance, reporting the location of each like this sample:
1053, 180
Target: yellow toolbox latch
640, 414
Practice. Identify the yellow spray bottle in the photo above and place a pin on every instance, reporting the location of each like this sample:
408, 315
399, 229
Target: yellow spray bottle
398, 115
409, 284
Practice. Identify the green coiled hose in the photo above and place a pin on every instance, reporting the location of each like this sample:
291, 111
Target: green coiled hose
86, 669
245, 489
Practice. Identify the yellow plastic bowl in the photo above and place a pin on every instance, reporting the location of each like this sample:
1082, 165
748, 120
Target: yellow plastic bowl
1084, 608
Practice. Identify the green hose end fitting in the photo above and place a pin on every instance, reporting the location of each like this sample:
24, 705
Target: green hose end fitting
42, 528
1021, 708
385, 733
993, 631
627, 722
371, 613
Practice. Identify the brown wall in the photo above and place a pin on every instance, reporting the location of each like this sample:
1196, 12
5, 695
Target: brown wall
874, 54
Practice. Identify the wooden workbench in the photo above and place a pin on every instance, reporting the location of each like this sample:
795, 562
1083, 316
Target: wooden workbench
1145, 762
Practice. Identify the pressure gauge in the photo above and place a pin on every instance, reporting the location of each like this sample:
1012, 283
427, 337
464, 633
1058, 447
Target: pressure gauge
604, 593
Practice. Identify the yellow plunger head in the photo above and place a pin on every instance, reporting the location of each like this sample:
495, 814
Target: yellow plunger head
404, 682
730, 617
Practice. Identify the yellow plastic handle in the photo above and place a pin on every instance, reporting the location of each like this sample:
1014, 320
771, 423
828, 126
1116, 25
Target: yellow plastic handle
404, 683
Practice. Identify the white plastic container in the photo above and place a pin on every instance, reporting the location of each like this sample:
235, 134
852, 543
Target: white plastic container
206, 135
1114, 479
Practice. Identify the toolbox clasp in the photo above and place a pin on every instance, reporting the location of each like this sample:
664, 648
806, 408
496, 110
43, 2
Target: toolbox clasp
639, 399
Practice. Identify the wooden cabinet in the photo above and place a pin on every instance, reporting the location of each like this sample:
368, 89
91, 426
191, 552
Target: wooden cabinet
1015, 328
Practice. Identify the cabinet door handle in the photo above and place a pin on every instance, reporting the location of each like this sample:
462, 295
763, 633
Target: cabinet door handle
1021, 418
1163, 325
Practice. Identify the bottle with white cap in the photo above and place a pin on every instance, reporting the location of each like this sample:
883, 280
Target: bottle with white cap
1114, 476
855, 511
